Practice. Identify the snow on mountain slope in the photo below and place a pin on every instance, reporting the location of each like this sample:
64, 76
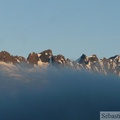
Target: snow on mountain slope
21, 71
9, 69
11, 64
105, 66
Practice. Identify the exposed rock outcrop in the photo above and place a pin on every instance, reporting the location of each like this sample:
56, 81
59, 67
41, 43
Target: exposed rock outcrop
7, 58
46, 57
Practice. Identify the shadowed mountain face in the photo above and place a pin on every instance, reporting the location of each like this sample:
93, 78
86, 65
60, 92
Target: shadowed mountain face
46, 58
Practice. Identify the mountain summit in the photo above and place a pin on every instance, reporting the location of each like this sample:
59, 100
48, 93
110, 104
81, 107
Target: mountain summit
46, 58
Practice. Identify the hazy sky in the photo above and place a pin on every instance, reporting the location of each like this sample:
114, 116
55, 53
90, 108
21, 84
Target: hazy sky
68, 27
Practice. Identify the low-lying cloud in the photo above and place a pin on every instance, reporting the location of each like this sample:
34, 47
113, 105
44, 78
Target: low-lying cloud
57, 94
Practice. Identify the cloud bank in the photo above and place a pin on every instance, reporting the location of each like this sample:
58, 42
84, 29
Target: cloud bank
57, 94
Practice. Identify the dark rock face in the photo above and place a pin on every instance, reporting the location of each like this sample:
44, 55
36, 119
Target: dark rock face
45, 56
83, 59
6, 57
20, 59
113, 57
83, 56
33, 58
92, 63
93, 58
59, 59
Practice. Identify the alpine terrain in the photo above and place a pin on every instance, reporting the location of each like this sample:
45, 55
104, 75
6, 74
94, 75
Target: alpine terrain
46, 58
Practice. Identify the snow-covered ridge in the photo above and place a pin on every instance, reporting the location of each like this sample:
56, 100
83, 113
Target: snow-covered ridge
46, 58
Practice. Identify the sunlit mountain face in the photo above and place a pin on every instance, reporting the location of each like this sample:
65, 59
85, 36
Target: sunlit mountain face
46, 58
48, 87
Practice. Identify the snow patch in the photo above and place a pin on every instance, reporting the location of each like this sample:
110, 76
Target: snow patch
39, 55
43, 64
46, 53
18, 60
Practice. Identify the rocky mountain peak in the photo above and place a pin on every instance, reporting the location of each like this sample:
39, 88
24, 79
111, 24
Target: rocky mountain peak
93, 58
59, 59
33, 58
46, 57
8, 58
83, 59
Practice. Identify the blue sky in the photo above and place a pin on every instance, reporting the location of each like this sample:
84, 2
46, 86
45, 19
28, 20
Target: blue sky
68, 27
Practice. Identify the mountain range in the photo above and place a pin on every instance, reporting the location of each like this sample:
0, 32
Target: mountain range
46, 58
